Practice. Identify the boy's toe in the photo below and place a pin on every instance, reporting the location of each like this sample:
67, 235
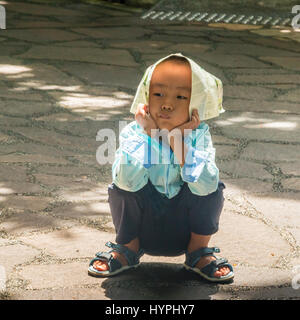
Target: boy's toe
100, 266
103, 266
224, 271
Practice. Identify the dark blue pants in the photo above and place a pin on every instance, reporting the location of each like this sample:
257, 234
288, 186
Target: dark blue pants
163, 225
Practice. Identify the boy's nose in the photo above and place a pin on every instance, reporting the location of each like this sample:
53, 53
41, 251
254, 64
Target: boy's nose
166, 107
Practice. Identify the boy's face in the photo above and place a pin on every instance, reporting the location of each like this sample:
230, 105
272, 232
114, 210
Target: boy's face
170, 94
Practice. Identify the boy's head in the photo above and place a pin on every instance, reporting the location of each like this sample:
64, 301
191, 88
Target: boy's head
206, 95
170, 92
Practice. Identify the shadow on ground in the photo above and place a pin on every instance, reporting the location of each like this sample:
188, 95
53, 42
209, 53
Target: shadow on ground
158, 281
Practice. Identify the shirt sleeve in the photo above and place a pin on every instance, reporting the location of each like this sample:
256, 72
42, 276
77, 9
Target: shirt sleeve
129, 170
128, 173
200, 170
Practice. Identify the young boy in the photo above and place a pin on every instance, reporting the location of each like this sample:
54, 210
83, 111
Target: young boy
168, 207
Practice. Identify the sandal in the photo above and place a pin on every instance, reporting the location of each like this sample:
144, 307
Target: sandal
114, 264
209, 270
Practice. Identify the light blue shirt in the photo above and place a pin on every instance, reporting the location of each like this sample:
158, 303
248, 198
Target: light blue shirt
140, 157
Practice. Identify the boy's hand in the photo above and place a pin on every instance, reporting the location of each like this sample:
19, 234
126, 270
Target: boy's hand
144, 119
191, 124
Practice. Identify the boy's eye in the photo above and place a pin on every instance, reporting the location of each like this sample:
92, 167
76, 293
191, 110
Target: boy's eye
181, 97
157, 94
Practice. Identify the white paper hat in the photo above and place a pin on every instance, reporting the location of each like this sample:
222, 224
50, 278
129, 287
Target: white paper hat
206, 95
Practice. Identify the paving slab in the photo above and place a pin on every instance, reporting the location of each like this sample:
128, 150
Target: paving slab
9, 253
264, 277
291, 168
113, 33
60, 117
79, 43
260, 126
295, 232
291, 63
56, 275
183, 38
283, 107
30, 148
4, 138
81, 183
21, 203
275, 42
41, 76
74, 275
291, 184
260, 71
230, 60
11, 187
244, 169
12, 173
52, 138
90, 105
252, 50
22, 223
143, 46
38, 23
7, 121
86, 210
94, 194
84, 159
271, 152
20, 93
248, 185
267, 79
190, 48
234, 27
72, 170
226, 151
292, 95
285, 33
271, 293
12, 50
25, 108
29, 158
70, 243
59, 294
42, 35
284, 211
68, 70
240, 91
261, 252
117, 57
82, 128
222, 140
41, 9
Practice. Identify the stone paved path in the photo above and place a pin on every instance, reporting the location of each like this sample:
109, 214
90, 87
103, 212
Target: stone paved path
68, 71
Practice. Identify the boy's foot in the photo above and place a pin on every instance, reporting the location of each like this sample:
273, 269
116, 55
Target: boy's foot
223, 271
103, 266
133, 245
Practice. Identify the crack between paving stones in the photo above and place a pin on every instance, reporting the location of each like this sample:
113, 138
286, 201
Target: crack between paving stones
247, 209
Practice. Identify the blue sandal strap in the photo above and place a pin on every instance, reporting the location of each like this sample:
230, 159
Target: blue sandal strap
214, 266
193, 257
131, 257
113, 264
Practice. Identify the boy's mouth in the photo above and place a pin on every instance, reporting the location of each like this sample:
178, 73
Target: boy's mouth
164, 116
